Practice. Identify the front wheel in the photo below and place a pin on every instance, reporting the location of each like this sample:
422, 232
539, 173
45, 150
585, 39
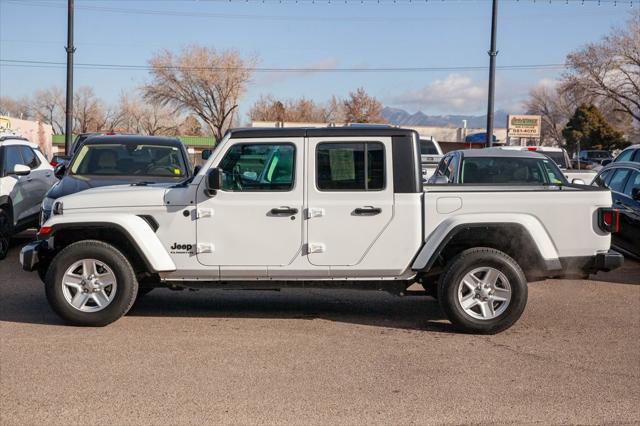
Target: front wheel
90, 283
483, 291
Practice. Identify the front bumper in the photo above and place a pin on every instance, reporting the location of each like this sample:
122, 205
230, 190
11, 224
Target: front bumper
32, 254
608, 261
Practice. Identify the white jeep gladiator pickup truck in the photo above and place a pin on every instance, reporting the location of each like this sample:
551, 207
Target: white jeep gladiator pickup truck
320, 207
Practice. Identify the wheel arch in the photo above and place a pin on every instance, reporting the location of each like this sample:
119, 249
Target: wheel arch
133, 236
516, 239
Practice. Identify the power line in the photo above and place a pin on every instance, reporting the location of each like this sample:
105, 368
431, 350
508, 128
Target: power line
51, 64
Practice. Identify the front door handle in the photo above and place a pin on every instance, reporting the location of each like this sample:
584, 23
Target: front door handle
367, 211
283, 211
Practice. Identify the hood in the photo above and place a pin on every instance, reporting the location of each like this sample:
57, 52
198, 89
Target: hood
70, 184
117, 196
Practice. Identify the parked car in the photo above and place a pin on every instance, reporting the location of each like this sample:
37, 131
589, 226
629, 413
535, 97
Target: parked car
430, 155
321, 207
623, 179
25, 177
631, 153
119, 160
594, 156
58, 159
561, 158
498, 166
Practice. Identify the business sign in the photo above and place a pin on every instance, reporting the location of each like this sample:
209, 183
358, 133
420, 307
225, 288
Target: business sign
524, 126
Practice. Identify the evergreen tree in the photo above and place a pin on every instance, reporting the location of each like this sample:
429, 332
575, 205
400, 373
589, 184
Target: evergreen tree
590, 129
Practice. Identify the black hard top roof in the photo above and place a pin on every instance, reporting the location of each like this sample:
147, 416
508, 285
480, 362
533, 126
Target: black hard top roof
131, 139
283, 132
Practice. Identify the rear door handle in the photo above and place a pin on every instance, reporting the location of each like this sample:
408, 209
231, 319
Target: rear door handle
367, 211
283, 211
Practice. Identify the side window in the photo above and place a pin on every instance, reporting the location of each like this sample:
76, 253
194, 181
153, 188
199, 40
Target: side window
452, 168
350, 166
442, 167
619, 179
30, 158
601, 179
636, 157
12, 157
258, 167
632, 183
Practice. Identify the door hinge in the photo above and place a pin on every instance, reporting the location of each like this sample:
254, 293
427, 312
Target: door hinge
204, 213
314, 212
315, 248
204, 248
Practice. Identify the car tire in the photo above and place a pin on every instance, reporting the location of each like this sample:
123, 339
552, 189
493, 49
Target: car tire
106, 261
469, 299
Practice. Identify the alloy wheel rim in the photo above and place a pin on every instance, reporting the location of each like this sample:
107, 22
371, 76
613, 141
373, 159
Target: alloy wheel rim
89, 285
484, 293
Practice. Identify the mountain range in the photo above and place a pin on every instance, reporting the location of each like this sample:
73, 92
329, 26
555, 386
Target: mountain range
400, 117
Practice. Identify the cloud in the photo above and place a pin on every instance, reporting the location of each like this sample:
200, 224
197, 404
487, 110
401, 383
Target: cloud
460, 94
454, 94
304, 71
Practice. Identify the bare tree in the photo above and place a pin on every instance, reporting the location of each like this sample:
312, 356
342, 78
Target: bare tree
49, 106
19, 108
150, 119
302, 110
190, 126
87, 110
360, 107
201, 80
610, 69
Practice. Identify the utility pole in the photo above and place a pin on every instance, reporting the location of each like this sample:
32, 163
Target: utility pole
68, 128
492, 72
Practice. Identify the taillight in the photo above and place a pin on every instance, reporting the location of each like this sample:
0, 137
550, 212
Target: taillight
609, 220
44, 231
54, 163
532, 148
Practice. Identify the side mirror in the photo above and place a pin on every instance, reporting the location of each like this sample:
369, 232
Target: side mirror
635, 194
605, 162
60, 170
578, 181
206, 153
214, 179
21, 170
439, 180
197, 169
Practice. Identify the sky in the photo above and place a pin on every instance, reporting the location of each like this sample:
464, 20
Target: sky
451, 36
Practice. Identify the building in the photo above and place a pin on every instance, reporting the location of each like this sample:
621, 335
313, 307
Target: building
36, 131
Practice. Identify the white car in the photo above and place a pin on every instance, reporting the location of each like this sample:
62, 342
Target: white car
320, 207
430, 155
25, 177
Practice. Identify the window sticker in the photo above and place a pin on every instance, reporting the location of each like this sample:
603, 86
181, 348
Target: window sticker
342, 164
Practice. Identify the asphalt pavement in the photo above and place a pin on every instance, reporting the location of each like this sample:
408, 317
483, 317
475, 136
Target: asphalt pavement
321, 357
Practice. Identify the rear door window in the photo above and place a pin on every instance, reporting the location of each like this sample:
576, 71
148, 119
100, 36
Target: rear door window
601, 179
632, 183
350, 166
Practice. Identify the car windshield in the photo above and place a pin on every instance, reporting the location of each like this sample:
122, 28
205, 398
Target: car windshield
510, 170
427, 147
129, 159
557, 156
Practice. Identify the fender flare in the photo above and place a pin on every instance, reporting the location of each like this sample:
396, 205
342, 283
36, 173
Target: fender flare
437, 241
137, 230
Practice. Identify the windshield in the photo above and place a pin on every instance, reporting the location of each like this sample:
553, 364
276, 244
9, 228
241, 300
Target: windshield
510, 170
557, 156
427, 147
129, 160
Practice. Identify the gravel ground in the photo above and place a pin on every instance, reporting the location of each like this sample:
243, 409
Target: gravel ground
322, 357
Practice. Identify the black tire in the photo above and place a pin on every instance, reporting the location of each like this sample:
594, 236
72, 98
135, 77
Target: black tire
466, 262
127, 284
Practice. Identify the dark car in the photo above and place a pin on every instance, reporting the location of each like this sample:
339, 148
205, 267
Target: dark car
594, 156
623, 178
631, 153
119, 160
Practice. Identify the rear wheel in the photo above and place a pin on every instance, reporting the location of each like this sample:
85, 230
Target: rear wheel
483, 291
90, 283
